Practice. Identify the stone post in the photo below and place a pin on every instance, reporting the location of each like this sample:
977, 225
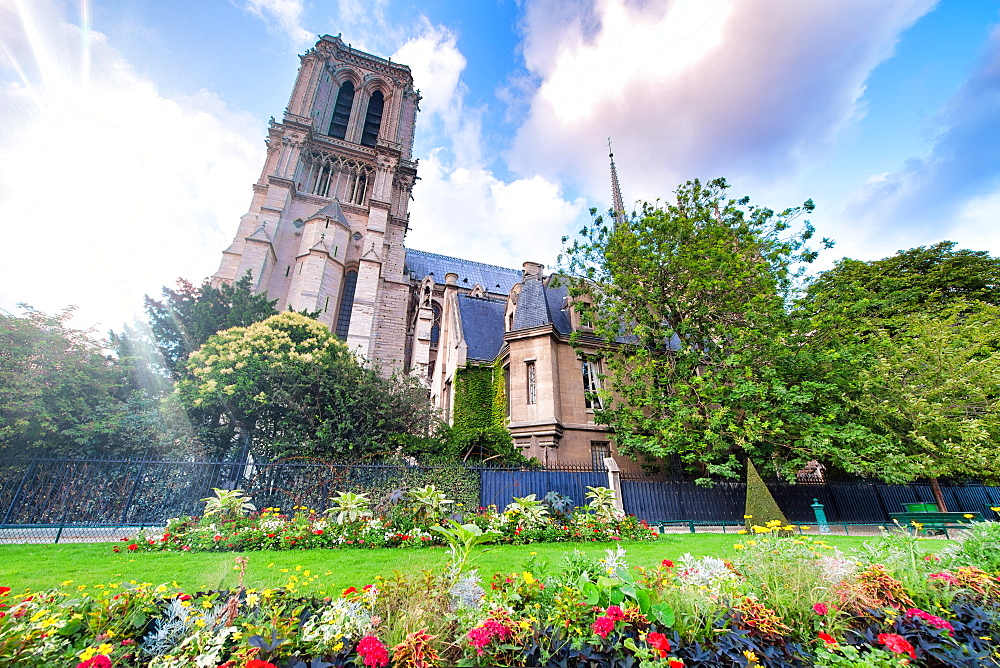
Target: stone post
615, 481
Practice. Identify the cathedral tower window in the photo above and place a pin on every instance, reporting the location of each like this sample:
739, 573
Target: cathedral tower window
373, 119
342, 110
336, 177
346, 304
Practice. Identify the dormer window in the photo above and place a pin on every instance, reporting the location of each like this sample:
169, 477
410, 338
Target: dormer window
373, 119
342, 110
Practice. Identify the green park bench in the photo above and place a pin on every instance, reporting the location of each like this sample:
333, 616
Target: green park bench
934, 522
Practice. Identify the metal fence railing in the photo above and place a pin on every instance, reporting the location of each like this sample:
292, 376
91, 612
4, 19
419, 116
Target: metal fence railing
90, 500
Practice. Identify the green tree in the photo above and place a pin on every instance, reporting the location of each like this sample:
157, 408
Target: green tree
689, 301
60, 392
185, 317
290, 387
930, 394
861, 297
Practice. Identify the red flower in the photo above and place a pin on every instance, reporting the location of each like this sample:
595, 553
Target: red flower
349, 591
318, 532
827, 638
821, 609
217, 537
270, 535
373, 651
667, 563
603, 626
932, 620
184, 597
676, 663
258, 663
133, 547
99, 661
897, 644
659, 643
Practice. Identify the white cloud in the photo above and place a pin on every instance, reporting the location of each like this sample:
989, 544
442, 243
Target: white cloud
469, 213
283, 16
460, 207
109, 189
696, 88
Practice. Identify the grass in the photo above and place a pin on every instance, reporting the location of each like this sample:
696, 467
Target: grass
39, 567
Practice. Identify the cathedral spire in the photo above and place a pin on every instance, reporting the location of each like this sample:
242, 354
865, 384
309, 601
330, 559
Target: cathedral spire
616, 190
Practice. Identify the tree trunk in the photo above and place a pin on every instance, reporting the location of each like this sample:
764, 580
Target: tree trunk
938, 496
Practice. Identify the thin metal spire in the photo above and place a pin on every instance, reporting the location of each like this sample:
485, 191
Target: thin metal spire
616, 190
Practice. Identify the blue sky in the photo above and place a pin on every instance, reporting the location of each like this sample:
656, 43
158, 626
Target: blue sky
131, 130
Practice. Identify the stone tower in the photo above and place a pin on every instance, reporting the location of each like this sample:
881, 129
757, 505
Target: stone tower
328, 216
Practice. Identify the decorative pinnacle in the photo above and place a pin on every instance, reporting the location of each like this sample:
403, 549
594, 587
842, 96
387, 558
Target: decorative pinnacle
618, 205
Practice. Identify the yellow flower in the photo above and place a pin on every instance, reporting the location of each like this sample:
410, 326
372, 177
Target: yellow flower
200, 623
996, 510
528, 578
105, 648
67, 583
741, 531
967, 516
751, 657
748, 517
206, 604
339, 646
88, 654
738, 546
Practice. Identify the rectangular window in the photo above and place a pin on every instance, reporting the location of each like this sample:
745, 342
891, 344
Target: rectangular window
598, 451
592, 383
529, 368
506, 386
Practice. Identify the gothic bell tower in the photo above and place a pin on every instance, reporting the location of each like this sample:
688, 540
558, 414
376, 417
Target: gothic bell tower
328, 216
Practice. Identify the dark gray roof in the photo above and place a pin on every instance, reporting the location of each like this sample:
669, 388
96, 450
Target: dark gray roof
538, 305
482, 326
332, 210
495, 280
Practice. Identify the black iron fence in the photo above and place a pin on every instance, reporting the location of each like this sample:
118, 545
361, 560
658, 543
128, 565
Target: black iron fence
52, 500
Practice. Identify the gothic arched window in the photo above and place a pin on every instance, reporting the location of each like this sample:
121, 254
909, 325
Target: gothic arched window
435, 323
346, 305
342, 110
373, 119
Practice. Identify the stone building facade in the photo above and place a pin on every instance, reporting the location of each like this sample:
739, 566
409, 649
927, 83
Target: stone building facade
325, 232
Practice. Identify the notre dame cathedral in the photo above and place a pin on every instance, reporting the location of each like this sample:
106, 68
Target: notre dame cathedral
325, 232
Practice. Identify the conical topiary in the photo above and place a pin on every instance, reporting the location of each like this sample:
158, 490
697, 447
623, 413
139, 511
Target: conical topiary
761, 507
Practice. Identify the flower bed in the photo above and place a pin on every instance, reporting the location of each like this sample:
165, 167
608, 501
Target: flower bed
404, 525
781, 602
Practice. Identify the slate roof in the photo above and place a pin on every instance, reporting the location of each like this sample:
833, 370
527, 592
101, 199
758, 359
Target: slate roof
482, 325
538, 305
495, 280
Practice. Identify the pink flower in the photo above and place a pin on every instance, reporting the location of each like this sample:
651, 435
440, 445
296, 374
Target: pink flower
930, 619
99, 661
373, 651
897, 644
481, 636
614, 613
603, 626
821, 609
945, 577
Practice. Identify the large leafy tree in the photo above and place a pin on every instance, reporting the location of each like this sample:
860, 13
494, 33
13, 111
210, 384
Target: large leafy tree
858, 297
930, 393
60, 392
186, 316
701, 356
287, 386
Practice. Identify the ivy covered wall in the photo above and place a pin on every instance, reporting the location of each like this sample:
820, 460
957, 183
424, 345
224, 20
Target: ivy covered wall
479, 412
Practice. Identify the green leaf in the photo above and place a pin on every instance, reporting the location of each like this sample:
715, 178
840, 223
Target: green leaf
592, 593
664, 614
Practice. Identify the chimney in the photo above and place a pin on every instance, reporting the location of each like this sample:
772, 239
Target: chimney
533, 270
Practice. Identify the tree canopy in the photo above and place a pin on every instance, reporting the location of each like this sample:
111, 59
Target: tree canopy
292, 387
688, 300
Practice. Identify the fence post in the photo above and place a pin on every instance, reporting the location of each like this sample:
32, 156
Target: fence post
615, 481
17, 494
135, 485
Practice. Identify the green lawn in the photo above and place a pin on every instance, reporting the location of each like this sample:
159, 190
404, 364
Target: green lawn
36, 567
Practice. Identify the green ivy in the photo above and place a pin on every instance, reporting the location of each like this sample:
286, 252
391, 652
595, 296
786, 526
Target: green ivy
480, 412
